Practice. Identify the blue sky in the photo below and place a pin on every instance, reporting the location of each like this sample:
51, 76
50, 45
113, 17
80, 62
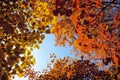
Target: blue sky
46, 48
42, 55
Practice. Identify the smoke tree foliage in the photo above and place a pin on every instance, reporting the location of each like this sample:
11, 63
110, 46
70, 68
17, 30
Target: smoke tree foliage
92, 27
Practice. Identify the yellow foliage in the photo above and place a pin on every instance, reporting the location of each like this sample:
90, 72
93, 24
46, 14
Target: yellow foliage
20, 75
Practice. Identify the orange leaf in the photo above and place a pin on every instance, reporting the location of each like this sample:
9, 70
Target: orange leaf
115, 59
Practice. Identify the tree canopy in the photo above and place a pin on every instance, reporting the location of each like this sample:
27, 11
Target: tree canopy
71, 69
22, 28
92, 27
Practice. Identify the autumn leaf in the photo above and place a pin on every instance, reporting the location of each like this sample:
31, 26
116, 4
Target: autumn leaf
115, 59
20, 75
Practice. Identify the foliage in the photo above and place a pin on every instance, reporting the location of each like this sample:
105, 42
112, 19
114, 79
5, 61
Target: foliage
23, 24
70, 69
93, 28
64, 32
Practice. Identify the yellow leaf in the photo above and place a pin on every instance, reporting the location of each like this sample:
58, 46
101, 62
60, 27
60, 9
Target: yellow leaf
34, 60
118, 76
107, 27
23, 66
68, 75
20, 75
1, 32
42, 37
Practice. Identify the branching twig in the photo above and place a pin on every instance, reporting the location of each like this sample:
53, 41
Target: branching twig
110, 2
107, 6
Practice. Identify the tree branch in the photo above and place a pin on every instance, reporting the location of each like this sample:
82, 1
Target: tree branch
107, 6
110, 2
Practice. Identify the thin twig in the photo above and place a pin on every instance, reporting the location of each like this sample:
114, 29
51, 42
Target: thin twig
110, 2
107, 6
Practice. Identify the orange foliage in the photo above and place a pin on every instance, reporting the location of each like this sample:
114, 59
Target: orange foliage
115, 59
94, 30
